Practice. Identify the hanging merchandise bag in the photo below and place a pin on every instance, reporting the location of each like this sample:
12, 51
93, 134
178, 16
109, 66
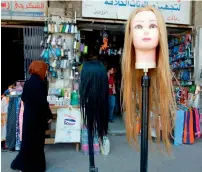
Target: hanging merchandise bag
197, 127
105, 146
179, 123
188, 136
84, 142
68, 125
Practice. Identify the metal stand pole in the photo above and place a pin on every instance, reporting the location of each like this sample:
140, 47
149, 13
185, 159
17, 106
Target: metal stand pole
144, 126
92, 167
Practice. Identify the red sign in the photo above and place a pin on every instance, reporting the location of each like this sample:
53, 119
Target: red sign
5, 5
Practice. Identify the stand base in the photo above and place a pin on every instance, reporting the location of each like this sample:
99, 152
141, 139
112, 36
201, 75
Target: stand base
93, 169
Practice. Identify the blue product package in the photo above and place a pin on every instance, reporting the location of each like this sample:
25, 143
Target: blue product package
179, 126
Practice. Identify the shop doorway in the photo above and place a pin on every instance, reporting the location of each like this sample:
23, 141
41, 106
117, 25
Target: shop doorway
20, 46
12, 57
93, 38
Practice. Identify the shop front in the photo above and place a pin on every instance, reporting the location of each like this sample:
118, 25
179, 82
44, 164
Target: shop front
64, 44
22, 30
100, 15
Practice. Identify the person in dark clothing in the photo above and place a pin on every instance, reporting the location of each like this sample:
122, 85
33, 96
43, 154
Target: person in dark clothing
31, 157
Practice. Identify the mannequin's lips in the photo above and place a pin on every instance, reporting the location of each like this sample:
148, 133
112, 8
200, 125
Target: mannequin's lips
146, 39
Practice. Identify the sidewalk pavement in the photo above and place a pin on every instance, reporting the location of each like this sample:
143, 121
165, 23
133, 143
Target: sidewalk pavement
122, 158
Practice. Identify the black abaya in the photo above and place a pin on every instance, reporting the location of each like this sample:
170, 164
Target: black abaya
31, 157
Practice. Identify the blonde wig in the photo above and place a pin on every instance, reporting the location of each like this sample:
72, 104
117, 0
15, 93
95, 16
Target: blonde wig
161, 97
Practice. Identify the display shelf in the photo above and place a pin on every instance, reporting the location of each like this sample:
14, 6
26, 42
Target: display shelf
182, 59
191, 80
183, 68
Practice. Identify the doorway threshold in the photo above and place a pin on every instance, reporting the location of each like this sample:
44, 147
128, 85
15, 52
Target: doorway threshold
118, 127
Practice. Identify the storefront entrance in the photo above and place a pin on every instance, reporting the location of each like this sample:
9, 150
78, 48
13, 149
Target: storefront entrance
93, 35
12, 56
20, 46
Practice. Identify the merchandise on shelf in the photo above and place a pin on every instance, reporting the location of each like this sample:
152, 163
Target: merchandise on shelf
182, 64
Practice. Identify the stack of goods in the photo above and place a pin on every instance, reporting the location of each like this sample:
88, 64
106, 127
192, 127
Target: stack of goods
63, 97
58, 97
181, 58
182, 63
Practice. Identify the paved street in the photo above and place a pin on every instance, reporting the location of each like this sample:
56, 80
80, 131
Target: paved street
122, 158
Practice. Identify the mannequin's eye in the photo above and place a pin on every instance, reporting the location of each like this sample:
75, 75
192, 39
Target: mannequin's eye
138, 27
152, 26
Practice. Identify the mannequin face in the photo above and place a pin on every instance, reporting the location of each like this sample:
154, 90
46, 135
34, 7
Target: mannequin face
145, 32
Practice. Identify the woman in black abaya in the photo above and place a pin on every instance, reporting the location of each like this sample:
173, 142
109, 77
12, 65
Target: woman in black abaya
37, 114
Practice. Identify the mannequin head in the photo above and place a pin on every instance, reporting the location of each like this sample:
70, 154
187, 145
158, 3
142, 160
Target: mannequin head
145, 35
140, 53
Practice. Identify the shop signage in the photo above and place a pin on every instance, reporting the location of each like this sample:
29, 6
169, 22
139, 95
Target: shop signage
23, 10
174, 11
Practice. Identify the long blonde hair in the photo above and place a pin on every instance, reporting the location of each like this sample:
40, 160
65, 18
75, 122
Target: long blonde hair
161, 96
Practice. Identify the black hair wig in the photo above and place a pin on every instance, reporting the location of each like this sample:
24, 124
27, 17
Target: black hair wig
94, 92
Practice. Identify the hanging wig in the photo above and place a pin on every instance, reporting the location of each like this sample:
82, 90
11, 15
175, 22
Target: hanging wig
161, 97
94, 97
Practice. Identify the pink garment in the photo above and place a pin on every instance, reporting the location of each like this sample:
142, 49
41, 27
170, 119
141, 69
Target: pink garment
197, 123
21, 118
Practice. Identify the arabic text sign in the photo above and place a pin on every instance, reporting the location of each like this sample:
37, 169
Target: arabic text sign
23, 10
173, 11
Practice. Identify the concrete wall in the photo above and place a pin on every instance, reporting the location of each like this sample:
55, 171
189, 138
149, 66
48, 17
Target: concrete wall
197, 13
66, 8
197, 22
